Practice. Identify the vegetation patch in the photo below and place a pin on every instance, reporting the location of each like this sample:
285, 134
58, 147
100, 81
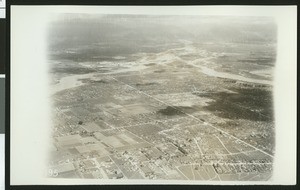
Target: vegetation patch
178, 110
248, 103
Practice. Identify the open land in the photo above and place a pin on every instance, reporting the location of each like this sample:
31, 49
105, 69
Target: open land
183, 111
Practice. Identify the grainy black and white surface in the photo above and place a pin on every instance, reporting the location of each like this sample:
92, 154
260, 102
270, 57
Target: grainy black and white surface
162, 97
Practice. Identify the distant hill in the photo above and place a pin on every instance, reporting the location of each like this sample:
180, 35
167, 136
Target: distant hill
129, 33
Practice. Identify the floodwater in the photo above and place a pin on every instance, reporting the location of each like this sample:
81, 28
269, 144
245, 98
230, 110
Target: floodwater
70, 82
212, 72
161, 58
